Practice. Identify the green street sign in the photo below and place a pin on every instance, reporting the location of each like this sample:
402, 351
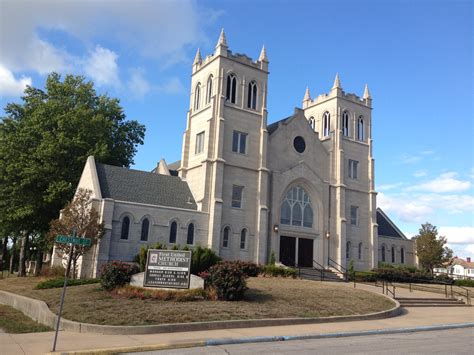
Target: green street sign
67, 239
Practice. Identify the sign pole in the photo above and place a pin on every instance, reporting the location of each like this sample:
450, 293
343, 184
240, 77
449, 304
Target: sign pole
63, 294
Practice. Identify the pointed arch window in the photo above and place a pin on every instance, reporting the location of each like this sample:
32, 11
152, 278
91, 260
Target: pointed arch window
393, 254
345, 124
209, 89
360, 129
243, 239
145, 230
197, 96
173, 232
312, 122
402, 255
326, 124
125, 228
225, 237
231, 88
383, 253
296, 208
190, 235
252, 95
348, 250
359, 251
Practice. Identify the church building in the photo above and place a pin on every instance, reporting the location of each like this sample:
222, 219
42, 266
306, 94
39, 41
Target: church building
301, 188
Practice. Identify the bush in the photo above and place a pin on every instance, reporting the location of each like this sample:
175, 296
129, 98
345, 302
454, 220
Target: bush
116, 274
395, 274
55, 271
365, 276
272, 258
56, 283
468, 283
274, 271
444, 279
226, 280
140, 258
351, 271
203, 259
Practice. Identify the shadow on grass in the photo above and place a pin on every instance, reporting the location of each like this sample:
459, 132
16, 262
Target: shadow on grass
258, 296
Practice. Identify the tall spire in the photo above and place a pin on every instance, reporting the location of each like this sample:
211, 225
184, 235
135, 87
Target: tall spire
337, 82
263, 55
222, 40
197, 58
307, 96
366, 92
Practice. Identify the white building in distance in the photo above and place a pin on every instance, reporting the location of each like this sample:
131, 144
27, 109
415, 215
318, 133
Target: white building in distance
301, 188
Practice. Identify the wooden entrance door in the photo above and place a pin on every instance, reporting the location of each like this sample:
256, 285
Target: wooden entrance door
305, 252
287, 250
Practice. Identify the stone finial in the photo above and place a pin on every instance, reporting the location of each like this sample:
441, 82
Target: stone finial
222, 40
337, 82
366, 92
307, 96
197, 58
263, 55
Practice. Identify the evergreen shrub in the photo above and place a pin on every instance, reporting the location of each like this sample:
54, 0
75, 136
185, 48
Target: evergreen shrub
116, 274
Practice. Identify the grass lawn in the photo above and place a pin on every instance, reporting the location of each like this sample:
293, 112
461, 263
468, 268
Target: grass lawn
13, 321
266, 298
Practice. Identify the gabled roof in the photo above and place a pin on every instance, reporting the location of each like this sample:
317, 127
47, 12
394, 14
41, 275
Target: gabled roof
465, 264
386, 227
275, 125
144, 187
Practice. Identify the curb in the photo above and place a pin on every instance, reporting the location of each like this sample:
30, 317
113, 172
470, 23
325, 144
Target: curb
39, 311
264, 339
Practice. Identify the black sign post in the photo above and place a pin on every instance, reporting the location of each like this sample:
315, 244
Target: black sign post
167, 269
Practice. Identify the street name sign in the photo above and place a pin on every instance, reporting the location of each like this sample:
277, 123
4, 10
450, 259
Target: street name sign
167, 269
67, 239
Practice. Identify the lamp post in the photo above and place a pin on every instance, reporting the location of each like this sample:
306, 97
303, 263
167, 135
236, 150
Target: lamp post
328, 235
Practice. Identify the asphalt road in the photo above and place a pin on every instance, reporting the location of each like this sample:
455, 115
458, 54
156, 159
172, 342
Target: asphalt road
458, 341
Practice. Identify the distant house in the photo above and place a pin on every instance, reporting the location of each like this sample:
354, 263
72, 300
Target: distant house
457, 269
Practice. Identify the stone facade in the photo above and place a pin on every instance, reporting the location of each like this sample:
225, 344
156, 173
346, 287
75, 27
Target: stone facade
301, 188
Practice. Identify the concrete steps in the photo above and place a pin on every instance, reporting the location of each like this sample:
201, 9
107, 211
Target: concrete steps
430, 302
315, 275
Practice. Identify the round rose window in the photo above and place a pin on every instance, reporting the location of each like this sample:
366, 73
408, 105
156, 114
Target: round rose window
299, 144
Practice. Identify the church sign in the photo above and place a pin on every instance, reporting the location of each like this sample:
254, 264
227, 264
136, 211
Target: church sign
167, 268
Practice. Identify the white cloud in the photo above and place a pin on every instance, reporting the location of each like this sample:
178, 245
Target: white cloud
458, 235
386, 187
9, 85
416, 158
102, 67
446, 182
419, 208
138, 84
153, 29
172, 86
420, 173
407, 210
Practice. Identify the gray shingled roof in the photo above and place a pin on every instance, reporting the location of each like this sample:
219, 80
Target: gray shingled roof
143, 187
274, 126
386, 226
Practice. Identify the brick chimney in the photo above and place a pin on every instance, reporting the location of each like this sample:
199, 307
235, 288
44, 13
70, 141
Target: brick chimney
468, 259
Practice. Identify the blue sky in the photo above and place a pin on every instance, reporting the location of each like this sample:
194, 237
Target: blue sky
416, 56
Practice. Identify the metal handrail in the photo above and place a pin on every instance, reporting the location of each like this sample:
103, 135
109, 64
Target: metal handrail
342, 269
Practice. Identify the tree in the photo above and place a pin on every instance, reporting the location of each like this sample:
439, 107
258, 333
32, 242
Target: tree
78, 216
44, 143
431, 248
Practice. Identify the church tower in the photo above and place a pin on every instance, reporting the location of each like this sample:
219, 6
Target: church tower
224, 150
344, 124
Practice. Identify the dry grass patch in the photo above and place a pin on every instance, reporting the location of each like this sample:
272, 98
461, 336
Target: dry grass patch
266, 298
13, 321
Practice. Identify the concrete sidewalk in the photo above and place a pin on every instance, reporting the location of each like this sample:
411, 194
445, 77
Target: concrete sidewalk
40, 343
